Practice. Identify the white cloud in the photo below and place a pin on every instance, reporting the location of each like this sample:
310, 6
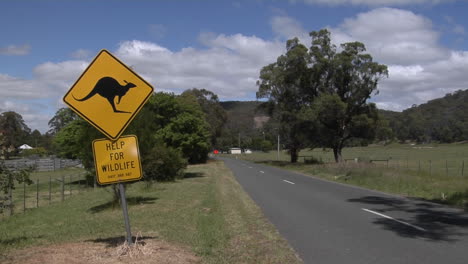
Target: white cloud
81, 54
15, 50
374, 2
420, 67
229, 66
411, 40
286, 28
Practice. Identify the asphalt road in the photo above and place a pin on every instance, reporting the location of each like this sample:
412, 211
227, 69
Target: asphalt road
328, 222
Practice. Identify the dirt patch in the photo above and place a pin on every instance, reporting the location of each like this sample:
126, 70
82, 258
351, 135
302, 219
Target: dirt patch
103, 252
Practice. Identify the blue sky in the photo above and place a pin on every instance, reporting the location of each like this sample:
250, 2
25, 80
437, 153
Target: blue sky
222, 45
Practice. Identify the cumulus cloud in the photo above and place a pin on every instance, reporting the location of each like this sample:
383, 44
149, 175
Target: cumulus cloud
81, 54
228, 66
373, 2
15, 50
420, 68
411, 40
286, 27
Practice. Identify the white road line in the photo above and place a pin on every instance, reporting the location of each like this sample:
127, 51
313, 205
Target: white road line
289, 182
262, 172
250, 167
391, 218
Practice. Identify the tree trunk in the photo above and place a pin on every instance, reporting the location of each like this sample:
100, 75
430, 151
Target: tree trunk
337, 154
294, 155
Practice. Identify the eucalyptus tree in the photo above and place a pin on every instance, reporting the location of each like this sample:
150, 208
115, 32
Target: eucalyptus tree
282, 83
343, 81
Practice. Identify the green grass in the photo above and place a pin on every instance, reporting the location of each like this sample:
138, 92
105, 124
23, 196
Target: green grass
207, 211
432, 172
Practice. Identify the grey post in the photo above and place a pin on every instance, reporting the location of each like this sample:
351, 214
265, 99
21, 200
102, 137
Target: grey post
123, 202
278, 153
24, 196
463, 167
63, 187
50, 188
37, 193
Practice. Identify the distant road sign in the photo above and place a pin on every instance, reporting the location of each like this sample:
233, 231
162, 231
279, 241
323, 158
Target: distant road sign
108, 94
117, 161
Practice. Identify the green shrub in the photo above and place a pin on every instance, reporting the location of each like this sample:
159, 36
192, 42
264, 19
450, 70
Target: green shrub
163, 164
40, 152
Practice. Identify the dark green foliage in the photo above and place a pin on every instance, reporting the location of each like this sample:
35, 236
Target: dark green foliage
163, 164
14, 132
343, 82
319, 96
62, 117
8, 178
215, 115
441, 120
283, 84
74, 141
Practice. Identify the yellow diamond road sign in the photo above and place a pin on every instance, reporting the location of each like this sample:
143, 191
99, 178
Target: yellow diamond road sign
117, 161
108, 94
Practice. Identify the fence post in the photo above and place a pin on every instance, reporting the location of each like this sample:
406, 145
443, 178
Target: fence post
79, 183
430, 167
37, 193
446, 168
463, 166
24, 196
63, 187
10, 199
50, 188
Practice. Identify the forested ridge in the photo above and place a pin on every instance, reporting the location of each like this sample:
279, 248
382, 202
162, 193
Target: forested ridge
443, 120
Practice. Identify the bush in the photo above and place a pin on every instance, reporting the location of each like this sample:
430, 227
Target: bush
163, 164
39, 152
313, 160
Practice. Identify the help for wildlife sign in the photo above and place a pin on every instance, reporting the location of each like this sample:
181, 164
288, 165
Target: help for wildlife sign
117, 161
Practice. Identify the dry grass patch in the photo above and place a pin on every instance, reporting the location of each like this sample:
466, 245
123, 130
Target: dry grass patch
144, 251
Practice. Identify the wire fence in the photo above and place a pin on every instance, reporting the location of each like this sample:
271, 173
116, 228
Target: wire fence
44, 191
431, 167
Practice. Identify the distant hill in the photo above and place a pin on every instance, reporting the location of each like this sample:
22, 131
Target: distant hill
443, 120
244, 115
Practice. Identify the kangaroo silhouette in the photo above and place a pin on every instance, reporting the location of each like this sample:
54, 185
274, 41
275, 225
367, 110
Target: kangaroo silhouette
109, 88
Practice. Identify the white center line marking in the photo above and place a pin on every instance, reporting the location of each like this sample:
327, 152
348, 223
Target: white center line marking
262, 172
289, 182
391, 218
250, 167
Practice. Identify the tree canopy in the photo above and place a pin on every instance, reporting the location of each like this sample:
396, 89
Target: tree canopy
322, 92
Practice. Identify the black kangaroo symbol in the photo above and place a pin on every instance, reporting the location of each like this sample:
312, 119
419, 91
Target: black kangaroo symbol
109, 88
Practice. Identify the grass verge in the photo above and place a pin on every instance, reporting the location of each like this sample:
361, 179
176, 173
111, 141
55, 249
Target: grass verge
207, 212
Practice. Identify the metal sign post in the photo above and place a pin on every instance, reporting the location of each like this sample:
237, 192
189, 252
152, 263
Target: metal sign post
123, 202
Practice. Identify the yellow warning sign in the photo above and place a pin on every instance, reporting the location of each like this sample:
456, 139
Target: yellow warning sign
108, 94
117, 161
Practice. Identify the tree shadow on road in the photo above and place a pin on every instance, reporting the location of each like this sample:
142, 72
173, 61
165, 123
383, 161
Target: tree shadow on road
441, 223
